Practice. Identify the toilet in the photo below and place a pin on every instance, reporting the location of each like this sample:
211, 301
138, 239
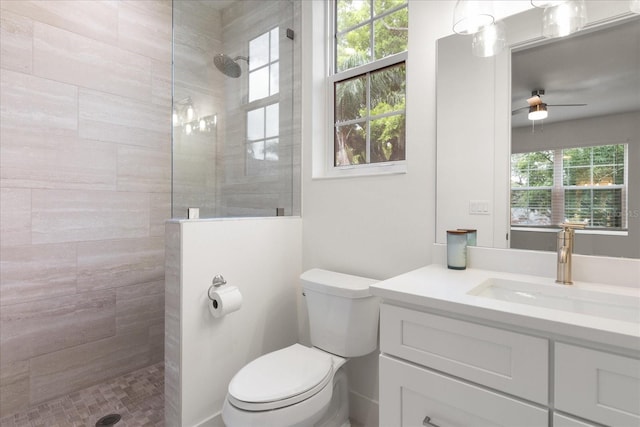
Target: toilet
307, 386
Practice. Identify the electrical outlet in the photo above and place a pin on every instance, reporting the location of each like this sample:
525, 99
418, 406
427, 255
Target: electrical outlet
479, 207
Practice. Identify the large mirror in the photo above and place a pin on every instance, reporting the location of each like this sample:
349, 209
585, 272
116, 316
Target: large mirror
515, 179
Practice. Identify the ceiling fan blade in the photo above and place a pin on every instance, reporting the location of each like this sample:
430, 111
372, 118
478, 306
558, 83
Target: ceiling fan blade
566, 105
519, 110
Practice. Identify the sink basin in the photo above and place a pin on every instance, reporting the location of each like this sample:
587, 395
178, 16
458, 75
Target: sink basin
559, 297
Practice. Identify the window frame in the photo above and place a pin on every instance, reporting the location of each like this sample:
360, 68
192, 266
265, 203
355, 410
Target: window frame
333, 77
558, 205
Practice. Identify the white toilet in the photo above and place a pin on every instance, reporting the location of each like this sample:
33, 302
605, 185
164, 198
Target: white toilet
302, 386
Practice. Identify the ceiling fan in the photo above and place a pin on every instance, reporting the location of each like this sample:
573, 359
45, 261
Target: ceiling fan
537, 108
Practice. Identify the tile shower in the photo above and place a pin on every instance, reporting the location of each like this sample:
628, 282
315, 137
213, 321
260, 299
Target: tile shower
86, 179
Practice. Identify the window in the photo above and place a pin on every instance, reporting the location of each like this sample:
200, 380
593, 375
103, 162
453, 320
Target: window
368, 81
583, 184
263, 110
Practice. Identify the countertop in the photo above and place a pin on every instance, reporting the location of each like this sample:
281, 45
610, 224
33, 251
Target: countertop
437, 288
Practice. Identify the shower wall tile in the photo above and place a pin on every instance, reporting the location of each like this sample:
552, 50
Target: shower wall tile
15, 216
143, 170
74, 368
139, 307
37, 272
14, 386
67, 57
145, 28
72, 216
45, 326
34, 103
96, 19
159, 211
113, 118
161, 84
156, 341
16, 42
66, 163
116, 263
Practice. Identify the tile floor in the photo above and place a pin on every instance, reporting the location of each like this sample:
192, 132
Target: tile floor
137, 396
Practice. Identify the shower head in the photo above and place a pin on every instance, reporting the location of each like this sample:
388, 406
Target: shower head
229, 67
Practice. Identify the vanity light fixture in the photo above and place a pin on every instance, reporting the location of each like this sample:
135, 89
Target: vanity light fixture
469, 16
538, 112
564, 18
185, 116
489, 41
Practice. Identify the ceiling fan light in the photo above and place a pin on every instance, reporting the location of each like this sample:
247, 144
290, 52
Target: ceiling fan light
538, 112
489, 41
469, 16
564, 19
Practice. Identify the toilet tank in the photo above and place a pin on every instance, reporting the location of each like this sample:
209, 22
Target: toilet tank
343, 315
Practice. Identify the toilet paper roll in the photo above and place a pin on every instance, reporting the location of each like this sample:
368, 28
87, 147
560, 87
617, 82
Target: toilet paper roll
226, 299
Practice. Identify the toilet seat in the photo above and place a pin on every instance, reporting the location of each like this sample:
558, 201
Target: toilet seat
281, 378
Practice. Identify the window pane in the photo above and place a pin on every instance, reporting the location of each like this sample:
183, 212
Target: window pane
353, 48
255, 150
577, 176
350, 144
532, 169
271, 150
275, 44
576, 157
255, 124
273, 120
352, 12
259, 51
388, 139
391, 34
531, 207
380, 6
388, 90
259, 84
607, 208
350, 99
275, 78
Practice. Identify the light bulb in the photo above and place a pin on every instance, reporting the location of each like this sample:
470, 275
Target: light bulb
469, 16
489, 41
188, 129
202, 124
176, 120
190, 113
564, 19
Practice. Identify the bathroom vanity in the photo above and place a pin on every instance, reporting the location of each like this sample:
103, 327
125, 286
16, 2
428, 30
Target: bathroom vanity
482, 348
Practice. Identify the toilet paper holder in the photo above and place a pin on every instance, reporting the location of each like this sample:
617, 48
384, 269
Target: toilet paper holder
217, 281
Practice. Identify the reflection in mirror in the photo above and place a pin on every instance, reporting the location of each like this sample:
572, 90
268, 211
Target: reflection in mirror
575, 164
597, 144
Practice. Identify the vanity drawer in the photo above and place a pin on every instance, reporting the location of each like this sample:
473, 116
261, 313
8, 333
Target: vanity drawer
508, 361
597, 386
408, 394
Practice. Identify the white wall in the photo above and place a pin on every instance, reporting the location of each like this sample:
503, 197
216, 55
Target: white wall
262, 257
377, 226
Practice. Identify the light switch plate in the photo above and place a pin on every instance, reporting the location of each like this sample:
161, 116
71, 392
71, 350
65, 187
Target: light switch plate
479, 207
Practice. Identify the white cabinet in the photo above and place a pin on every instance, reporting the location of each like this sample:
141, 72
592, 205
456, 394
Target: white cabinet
464, 373
599, 386
410, 394
503, 360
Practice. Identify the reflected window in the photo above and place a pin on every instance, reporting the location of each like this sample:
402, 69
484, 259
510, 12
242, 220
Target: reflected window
264, 65
263, 128
583, 184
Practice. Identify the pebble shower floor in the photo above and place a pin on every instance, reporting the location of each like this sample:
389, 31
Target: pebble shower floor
137, 396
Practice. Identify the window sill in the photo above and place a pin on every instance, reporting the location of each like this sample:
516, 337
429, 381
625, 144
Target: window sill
390, 168
556, 229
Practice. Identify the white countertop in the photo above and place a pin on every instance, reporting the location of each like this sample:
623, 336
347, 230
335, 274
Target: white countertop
439, 288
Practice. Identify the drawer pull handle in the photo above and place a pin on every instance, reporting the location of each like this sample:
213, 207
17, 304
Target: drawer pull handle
427, 422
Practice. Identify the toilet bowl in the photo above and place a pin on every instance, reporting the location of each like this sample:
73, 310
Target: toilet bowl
306, 386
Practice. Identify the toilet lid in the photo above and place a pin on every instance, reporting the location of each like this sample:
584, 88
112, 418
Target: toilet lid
280, 378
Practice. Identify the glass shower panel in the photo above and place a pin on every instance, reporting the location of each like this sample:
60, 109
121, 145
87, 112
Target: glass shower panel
236, 108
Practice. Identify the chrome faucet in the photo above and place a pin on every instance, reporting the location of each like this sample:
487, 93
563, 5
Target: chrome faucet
565, 249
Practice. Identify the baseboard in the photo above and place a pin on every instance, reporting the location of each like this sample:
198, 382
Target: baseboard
363, 410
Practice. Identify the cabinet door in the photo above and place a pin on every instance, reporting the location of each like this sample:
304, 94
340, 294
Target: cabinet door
408, 394
507, 361
598, 386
